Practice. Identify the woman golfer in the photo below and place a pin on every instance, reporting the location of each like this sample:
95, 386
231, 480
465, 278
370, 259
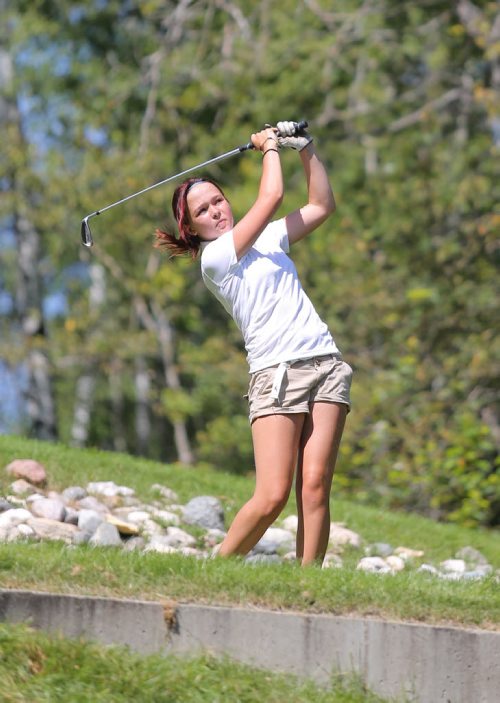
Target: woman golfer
299, 385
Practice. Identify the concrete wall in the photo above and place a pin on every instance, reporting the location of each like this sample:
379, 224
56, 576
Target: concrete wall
418, 663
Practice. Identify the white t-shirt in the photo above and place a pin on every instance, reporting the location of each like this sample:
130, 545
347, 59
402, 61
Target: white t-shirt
263, 295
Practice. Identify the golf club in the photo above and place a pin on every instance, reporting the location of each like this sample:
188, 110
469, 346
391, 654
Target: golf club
86, 233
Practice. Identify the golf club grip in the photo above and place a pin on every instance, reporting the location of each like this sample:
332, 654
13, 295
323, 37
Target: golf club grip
303, 124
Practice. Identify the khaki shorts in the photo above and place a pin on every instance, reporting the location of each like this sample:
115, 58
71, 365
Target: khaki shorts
293, 386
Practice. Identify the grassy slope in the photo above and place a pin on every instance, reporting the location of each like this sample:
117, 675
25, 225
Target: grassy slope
407, 596
42, 668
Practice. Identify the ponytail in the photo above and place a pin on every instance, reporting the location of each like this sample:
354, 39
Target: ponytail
187, 242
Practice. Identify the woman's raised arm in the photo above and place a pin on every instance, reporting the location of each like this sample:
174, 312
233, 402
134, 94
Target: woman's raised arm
270, 194
321, 202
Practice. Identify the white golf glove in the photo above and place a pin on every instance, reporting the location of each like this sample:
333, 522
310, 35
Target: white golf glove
288, 139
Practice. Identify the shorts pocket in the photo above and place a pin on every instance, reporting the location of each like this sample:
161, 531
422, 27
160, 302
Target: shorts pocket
260, 381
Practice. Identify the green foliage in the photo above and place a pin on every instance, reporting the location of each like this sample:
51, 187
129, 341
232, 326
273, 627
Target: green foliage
402, 100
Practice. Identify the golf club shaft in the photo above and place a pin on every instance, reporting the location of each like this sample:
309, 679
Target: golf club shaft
85, 228
171, 178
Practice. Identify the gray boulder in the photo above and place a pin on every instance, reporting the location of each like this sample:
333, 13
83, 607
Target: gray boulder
106, 535
74, 493
204, 511
5, 505
89, 520
50, 508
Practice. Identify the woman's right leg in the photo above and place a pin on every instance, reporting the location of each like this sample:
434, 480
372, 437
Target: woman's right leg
276, 442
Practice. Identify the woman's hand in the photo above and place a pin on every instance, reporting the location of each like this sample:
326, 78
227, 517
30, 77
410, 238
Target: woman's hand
265, 140
289, 138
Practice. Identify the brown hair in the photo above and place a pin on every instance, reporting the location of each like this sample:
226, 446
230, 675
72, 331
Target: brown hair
187, 242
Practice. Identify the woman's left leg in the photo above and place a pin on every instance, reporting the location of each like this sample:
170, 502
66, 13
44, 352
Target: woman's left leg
318, 451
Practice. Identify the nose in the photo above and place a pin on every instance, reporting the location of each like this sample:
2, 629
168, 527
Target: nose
215, 213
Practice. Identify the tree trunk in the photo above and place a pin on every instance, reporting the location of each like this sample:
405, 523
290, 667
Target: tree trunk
117, 406
39, 396
85, 387
142, 414
84, 396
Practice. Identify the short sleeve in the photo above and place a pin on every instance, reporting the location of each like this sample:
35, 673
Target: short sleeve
277, 233
218, 257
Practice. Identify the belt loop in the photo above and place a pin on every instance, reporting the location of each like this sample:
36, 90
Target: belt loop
278, 379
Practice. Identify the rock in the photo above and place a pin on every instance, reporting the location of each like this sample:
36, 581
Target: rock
74, 493
106, 535
264, 546
16, 501
89, 520
213, 537
485, 569
340, 535
189, 552
150, 527
109, 489
379, 549
274, 539
373, 565
472, 556
427, 569
134, 543
290, 556
165, 492
14, 516
71, 516
112, 502
138, 516
123, 527
50, 508
395, 563
160, 543
31, 470
176, 537
473, 575
281, 536
81, 537
22, 487
407, 553
130, 501
34, 496
5, 505
291, 523
9, 533
332, 561
205, 511
454, 566
45, 528
91, 503
25, 530
451, 576
166, 517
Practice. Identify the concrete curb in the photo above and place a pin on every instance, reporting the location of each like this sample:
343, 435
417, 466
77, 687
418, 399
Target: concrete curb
419, 663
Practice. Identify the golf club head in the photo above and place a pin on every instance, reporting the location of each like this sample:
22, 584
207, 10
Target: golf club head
86, 233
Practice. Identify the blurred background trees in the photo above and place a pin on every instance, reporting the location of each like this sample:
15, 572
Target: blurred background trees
124, 349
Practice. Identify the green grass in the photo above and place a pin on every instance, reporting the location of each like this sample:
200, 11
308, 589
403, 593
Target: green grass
407, 596
48, 669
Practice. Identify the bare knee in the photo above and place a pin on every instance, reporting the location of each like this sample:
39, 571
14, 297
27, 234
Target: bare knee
315, 492
271, 504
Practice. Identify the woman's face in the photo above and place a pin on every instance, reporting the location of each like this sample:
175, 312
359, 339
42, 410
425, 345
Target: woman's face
209, 212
